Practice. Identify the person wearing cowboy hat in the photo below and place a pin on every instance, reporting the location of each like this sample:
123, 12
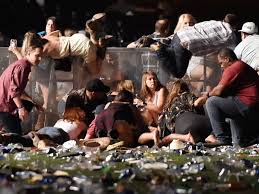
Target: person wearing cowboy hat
96, 29
248, 49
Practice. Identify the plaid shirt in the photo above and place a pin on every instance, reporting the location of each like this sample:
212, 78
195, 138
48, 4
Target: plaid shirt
207, 37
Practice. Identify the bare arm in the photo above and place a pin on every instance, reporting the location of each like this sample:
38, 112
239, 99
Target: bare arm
216, 91
162, 94
23, 114
25, 96
16, 51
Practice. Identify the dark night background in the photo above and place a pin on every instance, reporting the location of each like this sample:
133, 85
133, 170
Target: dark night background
129, 21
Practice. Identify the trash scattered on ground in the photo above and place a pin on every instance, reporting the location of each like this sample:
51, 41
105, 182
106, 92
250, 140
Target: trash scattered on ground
81, 169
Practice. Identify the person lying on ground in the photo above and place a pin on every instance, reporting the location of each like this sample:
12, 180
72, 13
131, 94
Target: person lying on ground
68, 128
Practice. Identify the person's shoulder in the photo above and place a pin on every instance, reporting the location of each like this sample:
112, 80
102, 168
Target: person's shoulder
162, 90
78, 91
206, 23
238, 65
22, 63
254, 37
56, 33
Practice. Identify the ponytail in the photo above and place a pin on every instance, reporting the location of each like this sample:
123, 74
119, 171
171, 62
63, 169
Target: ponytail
31, 41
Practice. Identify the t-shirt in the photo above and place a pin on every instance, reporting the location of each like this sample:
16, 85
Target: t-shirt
248, 51
241, 80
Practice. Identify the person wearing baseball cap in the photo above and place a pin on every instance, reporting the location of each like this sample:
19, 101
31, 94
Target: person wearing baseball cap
248, 49
249, 28
87, 98
96, 85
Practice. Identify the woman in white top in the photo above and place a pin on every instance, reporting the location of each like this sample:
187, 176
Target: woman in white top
68, 128
153, 95
73, 122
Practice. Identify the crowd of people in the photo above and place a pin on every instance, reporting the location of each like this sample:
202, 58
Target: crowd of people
224, 113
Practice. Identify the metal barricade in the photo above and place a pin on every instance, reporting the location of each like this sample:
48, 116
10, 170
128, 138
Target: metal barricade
119, 63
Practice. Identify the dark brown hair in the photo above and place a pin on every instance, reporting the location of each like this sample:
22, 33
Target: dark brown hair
229, 53
177, 87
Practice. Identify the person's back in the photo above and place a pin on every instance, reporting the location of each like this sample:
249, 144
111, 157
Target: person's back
207, 37
201, 39
162, 30
245, 84
248, 51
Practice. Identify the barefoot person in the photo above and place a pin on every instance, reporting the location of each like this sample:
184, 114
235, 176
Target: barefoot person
58, 47
68, 128
181, 119
236, 98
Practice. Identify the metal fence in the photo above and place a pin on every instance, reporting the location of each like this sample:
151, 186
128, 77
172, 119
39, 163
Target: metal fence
119, 63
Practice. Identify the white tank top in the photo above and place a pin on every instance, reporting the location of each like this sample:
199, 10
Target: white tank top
72, 128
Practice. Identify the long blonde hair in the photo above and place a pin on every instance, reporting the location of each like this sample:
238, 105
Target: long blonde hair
145, 91
180, 23
126, 85
176, 88
31, 41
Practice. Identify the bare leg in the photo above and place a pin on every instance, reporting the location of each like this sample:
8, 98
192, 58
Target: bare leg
156, 137
45, 94
198, 79
147, 116
146, 137
186, 138
211, 139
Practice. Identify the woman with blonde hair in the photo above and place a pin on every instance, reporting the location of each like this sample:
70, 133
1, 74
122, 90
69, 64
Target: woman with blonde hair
184, 20
127, 85
152, 96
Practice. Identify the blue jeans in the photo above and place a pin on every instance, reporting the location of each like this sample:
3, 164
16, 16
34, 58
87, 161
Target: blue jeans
219, 109
175, 58
57, 135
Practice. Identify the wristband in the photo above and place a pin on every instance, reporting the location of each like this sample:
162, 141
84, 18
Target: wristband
208, 95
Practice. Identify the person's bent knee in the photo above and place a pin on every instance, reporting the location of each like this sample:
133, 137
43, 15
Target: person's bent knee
211, 101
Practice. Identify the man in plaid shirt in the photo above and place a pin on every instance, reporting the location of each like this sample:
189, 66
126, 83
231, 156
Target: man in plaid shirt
201, 39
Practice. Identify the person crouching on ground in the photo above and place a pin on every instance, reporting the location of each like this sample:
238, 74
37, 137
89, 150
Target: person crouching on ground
12, 83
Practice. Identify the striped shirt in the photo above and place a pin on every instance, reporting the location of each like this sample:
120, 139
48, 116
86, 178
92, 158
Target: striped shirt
207, 37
